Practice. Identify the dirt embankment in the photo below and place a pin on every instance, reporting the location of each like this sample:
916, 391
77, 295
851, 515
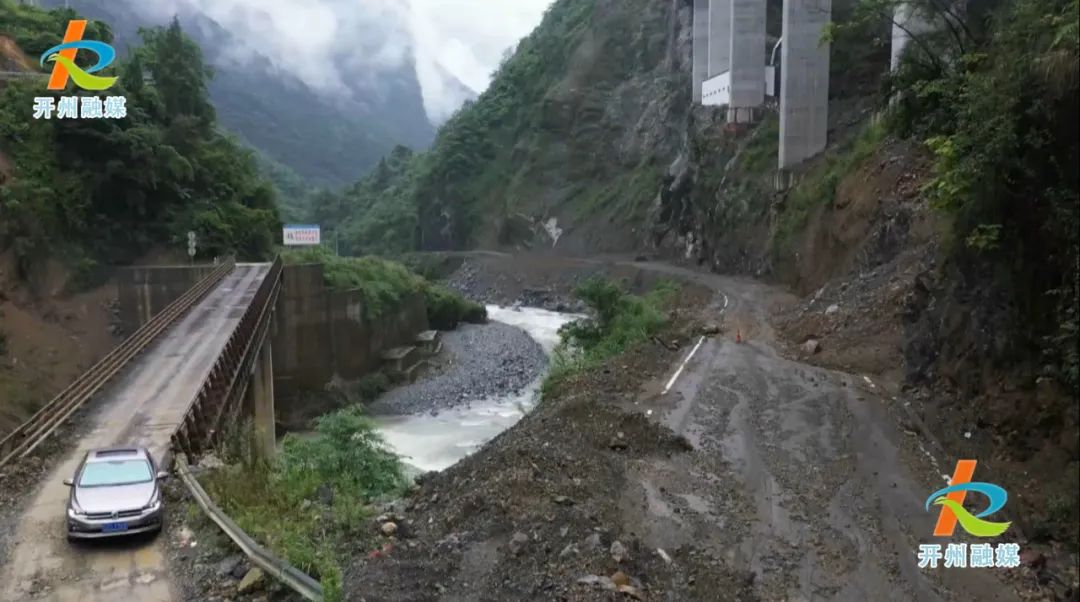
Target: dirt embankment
47, 337
538, 514
883, 298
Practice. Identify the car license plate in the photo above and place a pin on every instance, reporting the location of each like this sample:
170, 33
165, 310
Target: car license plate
114, 527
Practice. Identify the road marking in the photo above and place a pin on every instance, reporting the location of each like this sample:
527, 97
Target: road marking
682, 366
725, 300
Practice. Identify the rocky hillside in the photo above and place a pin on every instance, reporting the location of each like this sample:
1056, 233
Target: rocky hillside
935, 239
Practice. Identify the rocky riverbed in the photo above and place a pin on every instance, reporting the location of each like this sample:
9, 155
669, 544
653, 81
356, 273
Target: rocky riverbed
477, 361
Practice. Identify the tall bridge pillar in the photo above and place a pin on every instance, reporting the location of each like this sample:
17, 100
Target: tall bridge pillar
804, 81
747, 58
700, 58
720, 36
261, 400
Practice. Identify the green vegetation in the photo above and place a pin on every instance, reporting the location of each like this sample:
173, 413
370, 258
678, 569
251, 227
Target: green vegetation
386, 284
819, 186
526, 145
995, 97
106, 190
309, 504
621, 320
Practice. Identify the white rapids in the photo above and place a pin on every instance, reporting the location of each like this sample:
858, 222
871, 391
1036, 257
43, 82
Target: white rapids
427, 442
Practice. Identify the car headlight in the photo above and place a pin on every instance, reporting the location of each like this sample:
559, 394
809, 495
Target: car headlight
73, 513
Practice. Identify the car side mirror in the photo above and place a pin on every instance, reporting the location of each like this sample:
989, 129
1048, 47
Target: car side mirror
69, 482
162, 475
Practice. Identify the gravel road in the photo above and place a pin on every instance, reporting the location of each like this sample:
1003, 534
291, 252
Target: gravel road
476, 361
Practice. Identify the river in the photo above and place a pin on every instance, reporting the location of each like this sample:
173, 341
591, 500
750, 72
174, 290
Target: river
426, 442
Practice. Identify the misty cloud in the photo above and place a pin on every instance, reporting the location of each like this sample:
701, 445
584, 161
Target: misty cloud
341, 45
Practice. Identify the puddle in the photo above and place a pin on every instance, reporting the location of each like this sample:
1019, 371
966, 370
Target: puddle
428, 442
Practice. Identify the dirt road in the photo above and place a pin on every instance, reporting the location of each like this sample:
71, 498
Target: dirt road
799, 474
143, 408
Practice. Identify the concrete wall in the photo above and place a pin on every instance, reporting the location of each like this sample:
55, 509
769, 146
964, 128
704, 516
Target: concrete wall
804, 81
720, 36
145, 290
701, 47
322, 333
747, 54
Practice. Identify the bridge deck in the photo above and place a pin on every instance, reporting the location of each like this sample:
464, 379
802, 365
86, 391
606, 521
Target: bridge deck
143, 407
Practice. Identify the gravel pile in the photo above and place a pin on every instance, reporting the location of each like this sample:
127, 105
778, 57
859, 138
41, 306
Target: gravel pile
476, 361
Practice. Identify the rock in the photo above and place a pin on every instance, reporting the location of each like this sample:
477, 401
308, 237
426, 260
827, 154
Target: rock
620, 578
617, 443
228, 565
240, 569
389, 528
593, 542
562, 500
663, 555
811, 346
631, 591
569, 550
619, 551
325, 494
210, 462
832, 309
599, 581
252, 581
710, 329
518, 542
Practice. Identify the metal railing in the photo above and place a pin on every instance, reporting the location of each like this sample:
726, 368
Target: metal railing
221, 394
27, 436
296, 579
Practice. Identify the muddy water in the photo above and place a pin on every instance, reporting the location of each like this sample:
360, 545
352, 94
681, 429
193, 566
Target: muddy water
428, 442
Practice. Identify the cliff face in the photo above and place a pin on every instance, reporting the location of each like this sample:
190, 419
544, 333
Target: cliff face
569, 146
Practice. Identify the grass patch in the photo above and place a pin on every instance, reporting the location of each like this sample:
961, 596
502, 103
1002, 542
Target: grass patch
620, 321
309, 504
819, 187
386, 284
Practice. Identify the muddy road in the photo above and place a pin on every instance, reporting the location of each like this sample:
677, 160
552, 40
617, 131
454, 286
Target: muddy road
795, 483
143, 407
800, 475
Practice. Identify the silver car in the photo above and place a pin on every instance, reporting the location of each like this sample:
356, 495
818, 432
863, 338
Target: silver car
114, 492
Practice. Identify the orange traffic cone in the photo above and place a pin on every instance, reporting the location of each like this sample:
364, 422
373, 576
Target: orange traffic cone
738, 335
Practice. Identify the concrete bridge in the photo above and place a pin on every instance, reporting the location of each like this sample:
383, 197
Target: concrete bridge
175, 396
209, 345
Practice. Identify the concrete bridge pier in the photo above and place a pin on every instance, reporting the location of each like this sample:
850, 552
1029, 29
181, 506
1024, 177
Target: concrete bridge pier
260, 398
804, 81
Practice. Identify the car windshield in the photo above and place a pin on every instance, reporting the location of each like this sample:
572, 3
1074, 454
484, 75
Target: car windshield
116, 472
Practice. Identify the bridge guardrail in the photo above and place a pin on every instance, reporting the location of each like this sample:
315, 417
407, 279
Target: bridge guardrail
220, 396
27, 436
296, 579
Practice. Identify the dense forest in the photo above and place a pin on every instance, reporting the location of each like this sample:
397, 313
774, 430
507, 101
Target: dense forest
103, 191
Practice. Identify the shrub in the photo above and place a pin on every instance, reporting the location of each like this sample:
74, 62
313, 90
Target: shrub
385, 284
283, 503
446, 309
620, 321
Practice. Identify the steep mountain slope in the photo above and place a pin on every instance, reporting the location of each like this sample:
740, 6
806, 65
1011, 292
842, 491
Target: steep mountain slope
326, 138
942, 226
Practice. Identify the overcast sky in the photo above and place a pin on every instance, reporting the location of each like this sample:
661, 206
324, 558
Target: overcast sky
318, 39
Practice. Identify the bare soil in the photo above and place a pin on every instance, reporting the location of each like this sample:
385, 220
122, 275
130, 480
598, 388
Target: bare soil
50, 337
539, 512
